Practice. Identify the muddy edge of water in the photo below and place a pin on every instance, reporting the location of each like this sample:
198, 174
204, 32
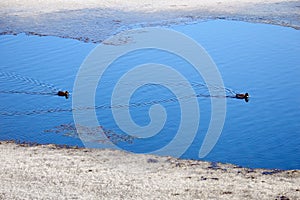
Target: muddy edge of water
95, 21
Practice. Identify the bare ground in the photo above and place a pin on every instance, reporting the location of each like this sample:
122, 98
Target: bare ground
51, 172
95, 21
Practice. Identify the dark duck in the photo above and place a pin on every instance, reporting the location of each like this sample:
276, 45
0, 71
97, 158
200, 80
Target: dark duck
63, 94
243, 96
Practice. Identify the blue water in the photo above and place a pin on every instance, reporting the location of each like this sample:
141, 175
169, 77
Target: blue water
260, 59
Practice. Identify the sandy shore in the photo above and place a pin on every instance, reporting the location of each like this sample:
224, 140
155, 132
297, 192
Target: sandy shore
94, 20
49, 172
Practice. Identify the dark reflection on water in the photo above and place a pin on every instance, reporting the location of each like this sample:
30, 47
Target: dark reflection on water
260, 59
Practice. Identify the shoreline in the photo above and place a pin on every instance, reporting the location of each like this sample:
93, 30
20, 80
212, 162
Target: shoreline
94, 21
75, 147
51, 172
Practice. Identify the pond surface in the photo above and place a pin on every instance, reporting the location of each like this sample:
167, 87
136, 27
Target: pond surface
260, 59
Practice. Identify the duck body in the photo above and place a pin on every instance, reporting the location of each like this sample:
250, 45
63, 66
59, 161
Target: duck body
63, 94
243, 96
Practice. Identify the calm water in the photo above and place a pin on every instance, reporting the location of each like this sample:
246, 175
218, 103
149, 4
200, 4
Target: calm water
260, 59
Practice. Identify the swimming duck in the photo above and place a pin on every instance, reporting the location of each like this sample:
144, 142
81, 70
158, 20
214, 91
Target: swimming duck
63, 94
243, 96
